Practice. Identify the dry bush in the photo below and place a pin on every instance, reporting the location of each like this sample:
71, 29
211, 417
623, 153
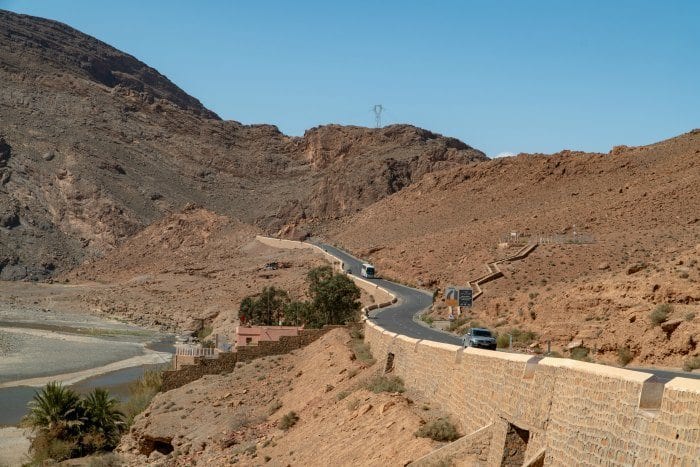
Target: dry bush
660, 314
624, 356
438, 430
692, 363
289, 420
382, 383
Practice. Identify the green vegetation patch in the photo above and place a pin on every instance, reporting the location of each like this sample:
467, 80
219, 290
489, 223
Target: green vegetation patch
660, 314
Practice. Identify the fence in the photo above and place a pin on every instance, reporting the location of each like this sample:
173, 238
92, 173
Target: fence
184, 350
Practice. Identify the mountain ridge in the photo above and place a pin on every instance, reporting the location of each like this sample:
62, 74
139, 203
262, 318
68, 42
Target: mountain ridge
99, 145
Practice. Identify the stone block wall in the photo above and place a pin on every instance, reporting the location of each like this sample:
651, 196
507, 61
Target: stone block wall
226, 363
579, 413
473, 447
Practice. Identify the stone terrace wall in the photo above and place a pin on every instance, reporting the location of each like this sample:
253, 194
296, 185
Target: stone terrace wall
579, 413
226, 362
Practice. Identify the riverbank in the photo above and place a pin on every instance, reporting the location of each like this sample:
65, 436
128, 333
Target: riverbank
83, 352
14, 446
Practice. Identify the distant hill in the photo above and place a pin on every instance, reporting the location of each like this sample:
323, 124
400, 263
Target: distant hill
639, 205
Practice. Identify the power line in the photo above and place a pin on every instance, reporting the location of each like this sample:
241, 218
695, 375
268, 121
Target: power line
378, 109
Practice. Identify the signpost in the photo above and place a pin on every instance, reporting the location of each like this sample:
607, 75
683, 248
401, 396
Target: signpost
451, 296
459, 297
465, 297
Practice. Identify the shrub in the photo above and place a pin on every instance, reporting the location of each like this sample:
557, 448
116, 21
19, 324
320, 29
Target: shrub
274, 407
523, 337
141, 392
690, 316
204, 332
427, 319
438, 430
580, 353
692, 363
457, 323
353, 404
289, 420
46, 446
362, 352
624, 356
382, 383
660, 314
502, 341
66, 425
342, 395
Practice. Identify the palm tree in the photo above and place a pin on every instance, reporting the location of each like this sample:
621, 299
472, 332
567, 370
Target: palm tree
102, 416
55, 409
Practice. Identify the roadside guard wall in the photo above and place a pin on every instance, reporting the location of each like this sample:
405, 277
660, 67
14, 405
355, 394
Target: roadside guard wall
577, 413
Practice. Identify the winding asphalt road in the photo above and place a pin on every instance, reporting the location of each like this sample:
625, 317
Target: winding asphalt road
399, 317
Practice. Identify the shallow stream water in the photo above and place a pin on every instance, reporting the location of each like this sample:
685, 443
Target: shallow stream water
39, 344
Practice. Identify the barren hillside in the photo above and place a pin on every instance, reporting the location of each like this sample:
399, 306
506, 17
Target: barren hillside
95, 145
640, 206
236, 417
190, 265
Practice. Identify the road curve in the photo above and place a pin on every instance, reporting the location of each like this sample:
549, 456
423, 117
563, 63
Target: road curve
398, 318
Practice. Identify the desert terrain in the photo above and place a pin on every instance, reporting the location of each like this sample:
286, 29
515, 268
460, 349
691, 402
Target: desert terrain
635, 210
236, 418
117, 205
123, 197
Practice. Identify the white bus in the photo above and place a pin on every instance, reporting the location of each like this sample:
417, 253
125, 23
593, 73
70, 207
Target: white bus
367, 271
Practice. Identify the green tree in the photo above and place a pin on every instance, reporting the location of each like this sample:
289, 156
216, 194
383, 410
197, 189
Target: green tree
267, 309
334, 297
247, 310
57, 410
102, 417
297, 313
317, 276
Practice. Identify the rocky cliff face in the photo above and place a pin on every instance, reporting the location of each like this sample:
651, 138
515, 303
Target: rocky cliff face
96, 145
28, 40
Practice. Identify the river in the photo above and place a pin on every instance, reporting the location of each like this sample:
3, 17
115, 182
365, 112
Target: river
82, 352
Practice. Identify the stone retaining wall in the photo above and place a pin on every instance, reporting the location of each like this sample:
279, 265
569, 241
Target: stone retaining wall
226, 362
473, 447
579, 413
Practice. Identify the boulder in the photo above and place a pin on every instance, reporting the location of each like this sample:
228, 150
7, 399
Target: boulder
574, 344
669, 326
635, 268
5, 151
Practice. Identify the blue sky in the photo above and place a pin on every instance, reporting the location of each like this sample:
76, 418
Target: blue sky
503, 76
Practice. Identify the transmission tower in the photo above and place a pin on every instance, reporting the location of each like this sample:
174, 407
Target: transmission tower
378, 109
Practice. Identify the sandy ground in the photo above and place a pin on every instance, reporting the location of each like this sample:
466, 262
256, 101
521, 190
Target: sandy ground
14, 446
235, 418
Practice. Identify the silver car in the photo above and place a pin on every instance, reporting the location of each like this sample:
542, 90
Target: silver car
480, 338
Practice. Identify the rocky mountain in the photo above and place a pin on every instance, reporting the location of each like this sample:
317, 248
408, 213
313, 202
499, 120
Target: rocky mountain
96, 145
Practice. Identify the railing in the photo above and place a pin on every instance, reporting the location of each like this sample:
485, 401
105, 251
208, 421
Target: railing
195, 351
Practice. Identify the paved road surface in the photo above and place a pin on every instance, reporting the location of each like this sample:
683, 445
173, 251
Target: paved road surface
399, 317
